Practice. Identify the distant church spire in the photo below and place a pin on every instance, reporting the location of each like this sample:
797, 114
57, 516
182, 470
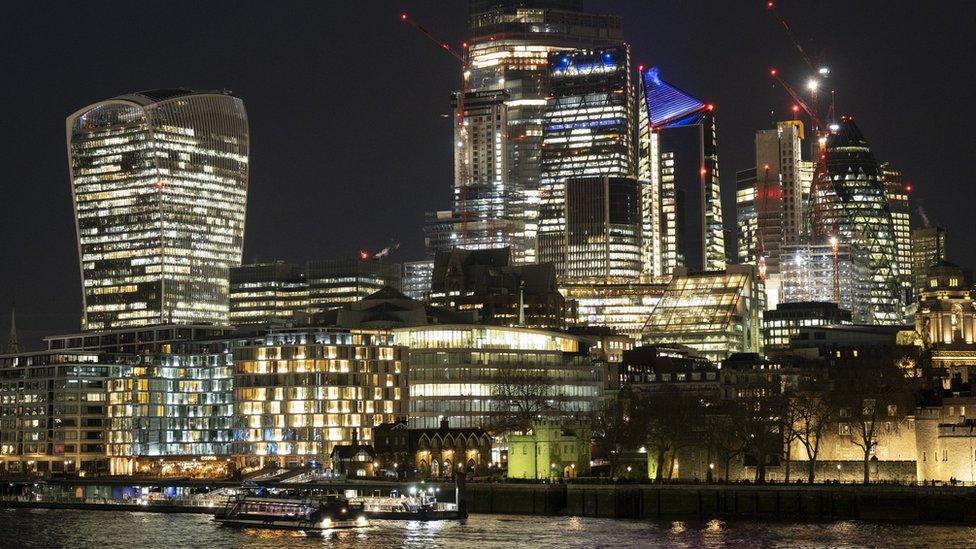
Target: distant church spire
12, 345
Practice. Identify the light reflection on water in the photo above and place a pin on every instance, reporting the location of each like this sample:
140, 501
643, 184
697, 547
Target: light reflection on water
108, 530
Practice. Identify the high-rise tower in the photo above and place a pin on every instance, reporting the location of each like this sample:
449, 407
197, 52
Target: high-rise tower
853, 208
589, 214
496, 203
772, 210
679, 168
159, 184
898, 194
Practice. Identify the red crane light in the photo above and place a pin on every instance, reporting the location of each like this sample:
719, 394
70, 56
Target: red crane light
710, 107
363, 255
704, 171
770, 5
772, 72
766, 167
403, 17
640, 68
908, 188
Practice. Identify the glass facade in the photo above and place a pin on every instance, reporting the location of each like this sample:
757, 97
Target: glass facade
678, 165
589, 215
623, 307
507, 83
169, 406
898, 194
459, 372
53, 411
159, 185
298, 394
928, 248
715, 313
265, 292
853, 208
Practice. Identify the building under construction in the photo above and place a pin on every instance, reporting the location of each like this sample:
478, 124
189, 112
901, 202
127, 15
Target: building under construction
827, 273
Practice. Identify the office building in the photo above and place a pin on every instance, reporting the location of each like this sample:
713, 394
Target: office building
299, 393
441, 230
624, 307
171, 415
485, 282
747, 219
268, 292
778, 163
928, 248
853, 207
678, 168
53, 411
784, 322
164, 339
472, 375
823, 272
898, 194
159, 186
265, 292
417, 276
715, 313
769, 201
589, 212
507, 82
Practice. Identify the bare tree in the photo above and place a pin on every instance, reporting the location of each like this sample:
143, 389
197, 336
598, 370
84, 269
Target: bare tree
761, 424
670, 419
812, 413
871, 392
520, 396
722, 434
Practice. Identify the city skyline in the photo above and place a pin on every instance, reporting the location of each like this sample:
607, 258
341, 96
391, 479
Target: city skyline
301, 199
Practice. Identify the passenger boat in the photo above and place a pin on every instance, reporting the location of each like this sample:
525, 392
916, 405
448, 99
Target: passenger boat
402, 508
313, 513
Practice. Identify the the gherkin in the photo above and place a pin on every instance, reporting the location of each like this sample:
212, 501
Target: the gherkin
852, 206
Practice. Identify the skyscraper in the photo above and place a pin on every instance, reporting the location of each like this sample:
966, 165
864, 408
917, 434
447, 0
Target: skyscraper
159, 184
898, 194
928, 248
773, 209
852, 206
507, 80
589, 214
679, 168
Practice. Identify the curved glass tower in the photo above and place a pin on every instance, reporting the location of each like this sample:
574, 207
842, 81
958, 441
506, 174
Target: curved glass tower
159, 185
853, 209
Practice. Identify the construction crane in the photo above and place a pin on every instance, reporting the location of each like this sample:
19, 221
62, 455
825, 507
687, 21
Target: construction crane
821, 124
460, 127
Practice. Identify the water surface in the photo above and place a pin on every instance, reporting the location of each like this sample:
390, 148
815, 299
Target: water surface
106, 530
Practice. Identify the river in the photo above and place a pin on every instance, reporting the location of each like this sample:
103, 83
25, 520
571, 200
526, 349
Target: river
107, 530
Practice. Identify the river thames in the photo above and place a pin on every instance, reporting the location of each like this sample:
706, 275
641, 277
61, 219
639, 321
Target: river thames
105, 530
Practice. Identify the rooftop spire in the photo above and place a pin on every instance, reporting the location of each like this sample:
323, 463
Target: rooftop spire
12, 345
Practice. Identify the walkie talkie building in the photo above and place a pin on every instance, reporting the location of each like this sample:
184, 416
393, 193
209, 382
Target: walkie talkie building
159, 184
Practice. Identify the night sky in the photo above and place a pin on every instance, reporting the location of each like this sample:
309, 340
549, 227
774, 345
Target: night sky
350, 144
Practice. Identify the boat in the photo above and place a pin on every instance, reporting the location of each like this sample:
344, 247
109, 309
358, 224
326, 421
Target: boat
402, 508
310, 514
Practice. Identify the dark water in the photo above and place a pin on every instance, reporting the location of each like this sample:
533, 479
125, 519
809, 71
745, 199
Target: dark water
104, 530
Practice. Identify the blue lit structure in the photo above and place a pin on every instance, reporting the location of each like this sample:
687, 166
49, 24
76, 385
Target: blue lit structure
678, 165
